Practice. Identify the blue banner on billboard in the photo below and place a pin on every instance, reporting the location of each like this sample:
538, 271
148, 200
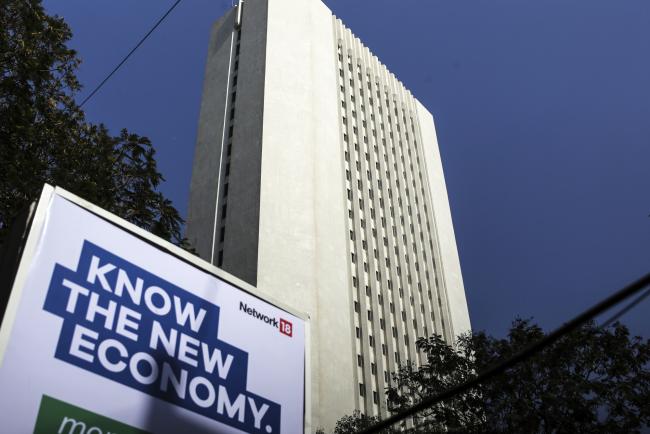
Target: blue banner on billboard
132, 327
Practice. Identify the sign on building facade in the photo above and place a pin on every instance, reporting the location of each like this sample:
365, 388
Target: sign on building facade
111, 330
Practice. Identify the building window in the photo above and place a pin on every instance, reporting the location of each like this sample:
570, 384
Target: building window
362, 389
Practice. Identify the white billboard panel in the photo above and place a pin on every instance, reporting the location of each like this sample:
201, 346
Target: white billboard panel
107, 330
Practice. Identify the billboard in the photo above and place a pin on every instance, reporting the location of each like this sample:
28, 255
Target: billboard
110, 330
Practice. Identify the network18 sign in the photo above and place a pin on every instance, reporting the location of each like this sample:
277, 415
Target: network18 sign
107, 332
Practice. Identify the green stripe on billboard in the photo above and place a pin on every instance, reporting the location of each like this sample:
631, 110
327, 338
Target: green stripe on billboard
58, 417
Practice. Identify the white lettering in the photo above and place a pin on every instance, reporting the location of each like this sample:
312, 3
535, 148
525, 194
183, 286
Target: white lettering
216, 358
235, 409
194, 385
103, 359
166, 302
185, 350
147, 359
78, 342
97, 272
168, 376
187, 312
75, 423
158, 335
75, 290
128, 319
135, 291
94, 308
258, 414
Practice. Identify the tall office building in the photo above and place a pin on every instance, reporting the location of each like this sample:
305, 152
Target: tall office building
317, 178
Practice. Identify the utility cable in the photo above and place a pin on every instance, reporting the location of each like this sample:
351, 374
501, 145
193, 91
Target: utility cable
99, 86
524, 354
625, 310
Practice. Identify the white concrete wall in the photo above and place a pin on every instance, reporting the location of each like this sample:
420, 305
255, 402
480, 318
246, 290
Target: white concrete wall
450, 262
302, 240
303, 250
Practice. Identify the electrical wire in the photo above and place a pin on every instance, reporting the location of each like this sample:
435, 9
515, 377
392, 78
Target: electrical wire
524, 354
625, 310
144, 38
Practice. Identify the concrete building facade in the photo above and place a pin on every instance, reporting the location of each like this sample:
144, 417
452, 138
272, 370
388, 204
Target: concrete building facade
317, 178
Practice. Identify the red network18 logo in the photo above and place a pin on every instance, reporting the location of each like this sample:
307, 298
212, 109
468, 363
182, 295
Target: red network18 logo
286, 327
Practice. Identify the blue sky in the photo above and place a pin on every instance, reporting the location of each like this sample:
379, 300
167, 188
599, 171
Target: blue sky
543, 117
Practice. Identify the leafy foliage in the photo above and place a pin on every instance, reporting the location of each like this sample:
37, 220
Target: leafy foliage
354, 423
44, 136
444, 367
594, 380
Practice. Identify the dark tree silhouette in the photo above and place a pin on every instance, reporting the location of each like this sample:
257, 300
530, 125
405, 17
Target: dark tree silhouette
593, 380
44, 136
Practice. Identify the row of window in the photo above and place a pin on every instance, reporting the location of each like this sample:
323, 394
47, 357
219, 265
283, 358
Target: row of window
228, 153
363, 127
401, 217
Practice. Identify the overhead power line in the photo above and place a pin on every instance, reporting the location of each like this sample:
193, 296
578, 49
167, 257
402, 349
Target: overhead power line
144, 38
626, 309
526, 353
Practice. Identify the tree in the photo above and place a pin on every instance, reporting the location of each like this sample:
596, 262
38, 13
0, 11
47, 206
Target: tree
443, 368
44, 136
594, 380
354, 423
